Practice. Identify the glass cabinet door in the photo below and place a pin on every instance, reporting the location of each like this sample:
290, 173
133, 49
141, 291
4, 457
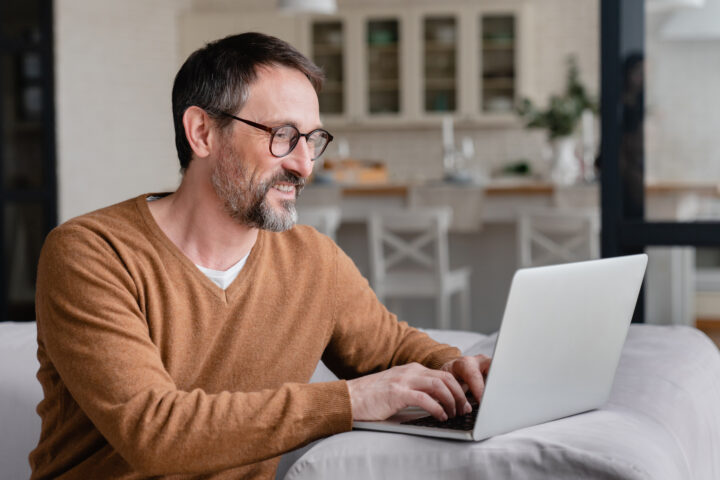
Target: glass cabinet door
383, 66
440, 69
498, 55
327, 48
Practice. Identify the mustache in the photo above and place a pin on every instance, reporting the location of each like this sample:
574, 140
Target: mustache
287, 176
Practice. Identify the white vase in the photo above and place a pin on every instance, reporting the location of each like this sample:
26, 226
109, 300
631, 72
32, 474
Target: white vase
566, 169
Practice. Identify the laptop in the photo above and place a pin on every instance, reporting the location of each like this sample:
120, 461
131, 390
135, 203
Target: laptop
556, 353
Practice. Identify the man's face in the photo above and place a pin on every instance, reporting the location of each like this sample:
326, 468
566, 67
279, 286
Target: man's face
256, 188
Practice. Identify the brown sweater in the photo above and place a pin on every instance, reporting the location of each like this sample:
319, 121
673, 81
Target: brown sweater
150, 369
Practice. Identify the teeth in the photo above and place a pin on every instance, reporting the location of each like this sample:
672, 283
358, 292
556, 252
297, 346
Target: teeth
285, 188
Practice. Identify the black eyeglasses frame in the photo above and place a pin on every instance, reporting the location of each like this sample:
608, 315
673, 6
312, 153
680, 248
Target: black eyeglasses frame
273, 130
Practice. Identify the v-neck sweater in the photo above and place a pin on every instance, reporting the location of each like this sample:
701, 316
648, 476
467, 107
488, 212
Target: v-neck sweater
150, 369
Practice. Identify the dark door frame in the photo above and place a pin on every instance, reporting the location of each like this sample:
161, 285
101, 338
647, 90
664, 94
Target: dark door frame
623, 31
47, 195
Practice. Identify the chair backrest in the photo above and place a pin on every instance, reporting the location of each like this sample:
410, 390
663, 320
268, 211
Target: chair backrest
548, 236
408, 240
325, 219
467, 203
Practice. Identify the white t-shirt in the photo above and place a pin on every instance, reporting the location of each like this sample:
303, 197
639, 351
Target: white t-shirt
221, 278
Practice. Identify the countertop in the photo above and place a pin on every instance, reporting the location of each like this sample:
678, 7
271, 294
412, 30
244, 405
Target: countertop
520, 186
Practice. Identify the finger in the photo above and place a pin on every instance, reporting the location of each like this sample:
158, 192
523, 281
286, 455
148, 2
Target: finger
469, 369
456, 403
461, 404
417, 398
484, 364
437, 389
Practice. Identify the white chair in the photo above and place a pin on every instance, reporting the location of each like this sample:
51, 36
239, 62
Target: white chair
466, 201
325, 219
548, 236
409, 259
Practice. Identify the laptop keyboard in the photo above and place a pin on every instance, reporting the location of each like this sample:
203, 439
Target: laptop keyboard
461, 422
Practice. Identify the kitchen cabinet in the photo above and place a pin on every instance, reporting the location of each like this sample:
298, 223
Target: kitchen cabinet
498, 53
327, 51
382, 64
372, 61
440, 35
390, 65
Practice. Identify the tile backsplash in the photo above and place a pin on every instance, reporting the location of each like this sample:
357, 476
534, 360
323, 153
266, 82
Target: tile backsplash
414, 155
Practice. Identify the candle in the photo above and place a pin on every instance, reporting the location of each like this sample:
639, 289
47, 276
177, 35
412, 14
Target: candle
588, 145
448, 137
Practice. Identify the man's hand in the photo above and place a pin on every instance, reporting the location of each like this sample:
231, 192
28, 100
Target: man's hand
471, 371
380, 395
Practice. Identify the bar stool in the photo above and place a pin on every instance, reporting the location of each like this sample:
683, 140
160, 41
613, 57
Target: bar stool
409, 259
325, 219
547, 236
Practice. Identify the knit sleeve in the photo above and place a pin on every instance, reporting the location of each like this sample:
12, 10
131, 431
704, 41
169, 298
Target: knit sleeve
92, 328
366, 337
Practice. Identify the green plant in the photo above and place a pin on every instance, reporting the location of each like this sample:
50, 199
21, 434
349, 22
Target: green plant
563, 113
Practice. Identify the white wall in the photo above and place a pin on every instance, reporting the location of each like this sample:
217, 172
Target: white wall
683, 98
115, 63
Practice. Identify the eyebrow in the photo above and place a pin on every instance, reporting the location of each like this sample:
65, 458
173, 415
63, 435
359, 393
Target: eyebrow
280, 122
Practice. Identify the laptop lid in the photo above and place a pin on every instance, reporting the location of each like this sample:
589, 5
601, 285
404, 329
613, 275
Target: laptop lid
559, 343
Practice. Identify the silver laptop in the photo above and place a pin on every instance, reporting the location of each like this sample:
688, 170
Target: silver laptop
556, 353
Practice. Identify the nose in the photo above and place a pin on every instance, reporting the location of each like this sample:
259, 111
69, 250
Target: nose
300, 159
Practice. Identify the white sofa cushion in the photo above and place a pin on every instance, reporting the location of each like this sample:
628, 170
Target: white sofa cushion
20, 392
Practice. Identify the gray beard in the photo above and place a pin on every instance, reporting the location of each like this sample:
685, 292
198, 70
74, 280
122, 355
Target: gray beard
245, 199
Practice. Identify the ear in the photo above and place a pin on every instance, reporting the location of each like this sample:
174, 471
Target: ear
198, 131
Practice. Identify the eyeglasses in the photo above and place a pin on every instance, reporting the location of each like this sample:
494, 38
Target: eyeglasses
284, 139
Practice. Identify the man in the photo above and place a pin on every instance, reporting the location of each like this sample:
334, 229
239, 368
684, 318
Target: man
177, 332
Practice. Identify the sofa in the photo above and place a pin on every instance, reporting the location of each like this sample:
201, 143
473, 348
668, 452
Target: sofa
662, 422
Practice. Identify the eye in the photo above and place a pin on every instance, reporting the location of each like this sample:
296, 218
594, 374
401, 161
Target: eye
318, 137
285, 133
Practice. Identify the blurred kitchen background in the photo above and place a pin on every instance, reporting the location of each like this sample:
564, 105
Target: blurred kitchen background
429, 103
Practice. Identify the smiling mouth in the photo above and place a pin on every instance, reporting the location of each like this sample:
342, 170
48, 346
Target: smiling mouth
287, 183
285, 188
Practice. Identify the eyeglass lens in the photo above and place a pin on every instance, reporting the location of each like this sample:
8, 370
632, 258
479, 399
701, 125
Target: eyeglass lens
286, 138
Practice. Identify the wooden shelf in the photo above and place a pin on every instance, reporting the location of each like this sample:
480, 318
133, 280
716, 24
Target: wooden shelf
327, 50
440, 47
370, 190
498, 82
440, 83
490, 47
530, 186
390, 47
384, 85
